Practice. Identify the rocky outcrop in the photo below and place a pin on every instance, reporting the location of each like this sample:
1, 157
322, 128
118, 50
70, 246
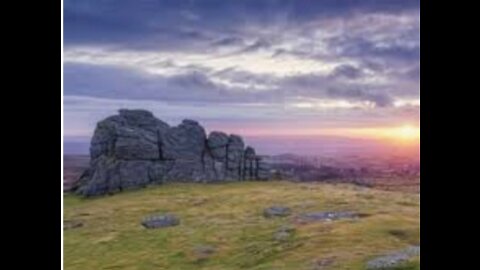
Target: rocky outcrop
134, 149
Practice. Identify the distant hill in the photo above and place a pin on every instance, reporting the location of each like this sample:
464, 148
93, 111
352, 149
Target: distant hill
76, 146
73, 167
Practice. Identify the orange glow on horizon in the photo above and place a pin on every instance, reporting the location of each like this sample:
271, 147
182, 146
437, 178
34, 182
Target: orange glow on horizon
405, 134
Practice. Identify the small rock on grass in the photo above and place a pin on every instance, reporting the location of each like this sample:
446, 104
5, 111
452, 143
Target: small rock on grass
160, 221
276, 211
204, 251
394, 259
327, 216
323, 263
72, 224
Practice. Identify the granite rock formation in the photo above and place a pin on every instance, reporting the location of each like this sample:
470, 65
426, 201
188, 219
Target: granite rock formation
134, 149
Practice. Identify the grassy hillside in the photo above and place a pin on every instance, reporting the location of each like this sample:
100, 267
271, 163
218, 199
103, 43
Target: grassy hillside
228, 217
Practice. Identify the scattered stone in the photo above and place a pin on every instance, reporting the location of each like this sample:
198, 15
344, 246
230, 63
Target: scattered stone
413, 251
284, 233
323, 263
134, 149
276, 211
72, 224
400, 234
327, 216
394, 259
160, 221
363, 215
204, 251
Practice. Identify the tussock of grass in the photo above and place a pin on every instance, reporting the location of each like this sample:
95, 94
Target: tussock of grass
229, 218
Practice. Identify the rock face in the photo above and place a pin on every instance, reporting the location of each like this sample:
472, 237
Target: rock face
134, 149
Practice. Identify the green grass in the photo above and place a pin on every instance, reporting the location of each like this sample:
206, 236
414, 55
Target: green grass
229, 217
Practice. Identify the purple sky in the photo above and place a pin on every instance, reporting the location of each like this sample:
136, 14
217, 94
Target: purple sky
269, 67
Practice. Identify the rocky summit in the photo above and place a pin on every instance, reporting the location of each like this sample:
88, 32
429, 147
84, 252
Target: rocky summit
133, 149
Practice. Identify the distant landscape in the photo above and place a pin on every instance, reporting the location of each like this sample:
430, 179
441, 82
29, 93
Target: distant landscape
392, 173
318, 145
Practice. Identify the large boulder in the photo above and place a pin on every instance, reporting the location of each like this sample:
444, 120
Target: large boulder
249, 167
234, 160
186, 141
217, 143
112, 175
133, 134
134, 149
136, 143
262, 169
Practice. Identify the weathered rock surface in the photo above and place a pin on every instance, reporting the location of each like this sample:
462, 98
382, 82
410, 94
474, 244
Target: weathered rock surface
204, 251
276, 211
327, 216
134, 149
394, 259
217, 144
160, 221
322, 264
249, 168
72, 224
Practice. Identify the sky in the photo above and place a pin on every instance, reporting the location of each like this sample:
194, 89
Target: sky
261, 69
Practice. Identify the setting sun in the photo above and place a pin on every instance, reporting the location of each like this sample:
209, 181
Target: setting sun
408, 132
403, 134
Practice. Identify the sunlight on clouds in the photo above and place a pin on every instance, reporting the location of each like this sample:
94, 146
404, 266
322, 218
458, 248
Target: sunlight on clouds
263, 63
323, 104
406, 102
245, 86
174, 63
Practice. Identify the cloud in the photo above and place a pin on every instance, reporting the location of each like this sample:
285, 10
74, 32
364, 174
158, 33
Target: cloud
154, 61
339, 62
229, 41
194, 87
379, 99
81, 114
144, 23
226, 86
347, 71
